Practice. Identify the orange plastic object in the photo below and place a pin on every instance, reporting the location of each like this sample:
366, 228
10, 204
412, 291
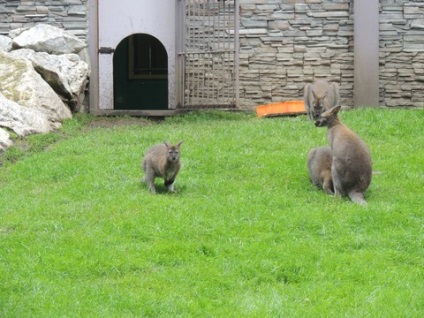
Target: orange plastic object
287, 108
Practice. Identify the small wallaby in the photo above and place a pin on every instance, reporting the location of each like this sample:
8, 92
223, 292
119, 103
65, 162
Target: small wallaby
351, 167
162, 161
319, 167
319, 97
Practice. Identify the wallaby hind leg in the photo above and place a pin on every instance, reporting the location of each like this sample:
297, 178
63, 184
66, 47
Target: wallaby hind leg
337, 187
151, 186
144, 167
149, 178
337, 184
357, 197
306, 95
327, 185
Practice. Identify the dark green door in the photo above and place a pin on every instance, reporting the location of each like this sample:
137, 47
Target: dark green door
140, 74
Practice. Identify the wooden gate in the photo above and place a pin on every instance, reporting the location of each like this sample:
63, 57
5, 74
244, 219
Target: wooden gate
208, 54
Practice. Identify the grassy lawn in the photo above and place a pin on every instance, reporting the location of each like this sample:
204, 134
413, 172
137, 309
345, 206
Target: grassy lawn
245, 235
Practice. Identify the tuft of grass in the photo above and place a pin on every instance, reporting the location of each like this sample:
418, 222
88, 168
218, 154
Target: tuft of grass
245, 235
32, 144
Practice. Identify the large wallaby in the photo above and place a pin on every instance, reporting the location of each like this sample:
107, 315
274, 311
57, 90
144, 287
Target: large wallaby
319, 167
351, 167
163, 161
319, 97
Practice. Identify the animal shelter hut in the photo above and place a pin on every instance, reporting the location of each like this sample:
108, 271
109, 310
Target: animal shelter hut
156, 56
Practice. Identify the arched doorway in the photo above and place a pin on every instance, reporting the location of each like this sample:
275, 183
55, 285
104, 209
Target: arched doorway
140, 73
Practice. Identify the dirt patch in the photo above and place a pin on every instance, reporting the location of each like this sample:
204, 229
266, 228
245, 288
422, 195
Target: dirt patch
111, 122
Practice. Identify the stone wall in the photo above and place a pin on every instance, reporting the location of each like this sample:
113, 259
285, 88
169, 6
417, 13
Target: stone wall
70, 15
286, 43
401, 53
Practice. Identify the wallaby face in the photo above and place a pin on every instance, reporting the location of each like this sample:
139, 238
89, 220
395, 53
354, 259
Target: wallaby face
328, 118
351, 167
318, 106
173, 153
319, 167
319, 97
162, 161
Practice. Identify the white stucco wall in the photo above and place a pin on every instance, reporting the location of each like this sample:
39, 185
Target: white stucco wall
118, 19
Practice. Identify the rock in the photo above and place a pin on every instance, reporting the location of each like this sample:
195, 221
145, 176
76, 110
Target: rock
23, 85
85, 56
47, 38
22, 120
5, 141
15, 32
5, 43
65, 73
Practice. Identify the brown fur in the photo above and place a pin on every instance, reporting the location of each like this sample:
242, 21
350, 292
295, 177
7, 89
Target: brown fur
319, 97
351, 168
319, 167
162, 161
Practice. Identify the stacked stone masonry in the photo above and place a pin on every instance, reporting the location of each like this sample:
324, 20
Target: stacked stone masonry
401, 53
71, 15
285, 44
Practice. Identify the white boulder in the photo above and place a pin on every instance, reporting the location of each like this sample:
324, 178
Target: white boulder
23, 85
5, 43
22, 120
5, 141
65, 73
48, 38
40, 71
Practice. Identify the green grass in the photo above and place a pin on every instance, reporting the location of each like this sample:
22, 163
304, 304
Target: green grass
245, 235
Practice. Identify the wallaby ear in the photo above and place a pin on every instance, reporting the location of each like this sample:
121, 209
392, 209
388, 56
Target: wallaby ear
179, 144
166, 144
306, 89
336, 109
307, 94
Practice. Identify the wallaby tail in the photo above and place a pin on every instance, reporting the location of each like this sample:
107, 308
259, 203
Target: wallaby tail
357, 197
